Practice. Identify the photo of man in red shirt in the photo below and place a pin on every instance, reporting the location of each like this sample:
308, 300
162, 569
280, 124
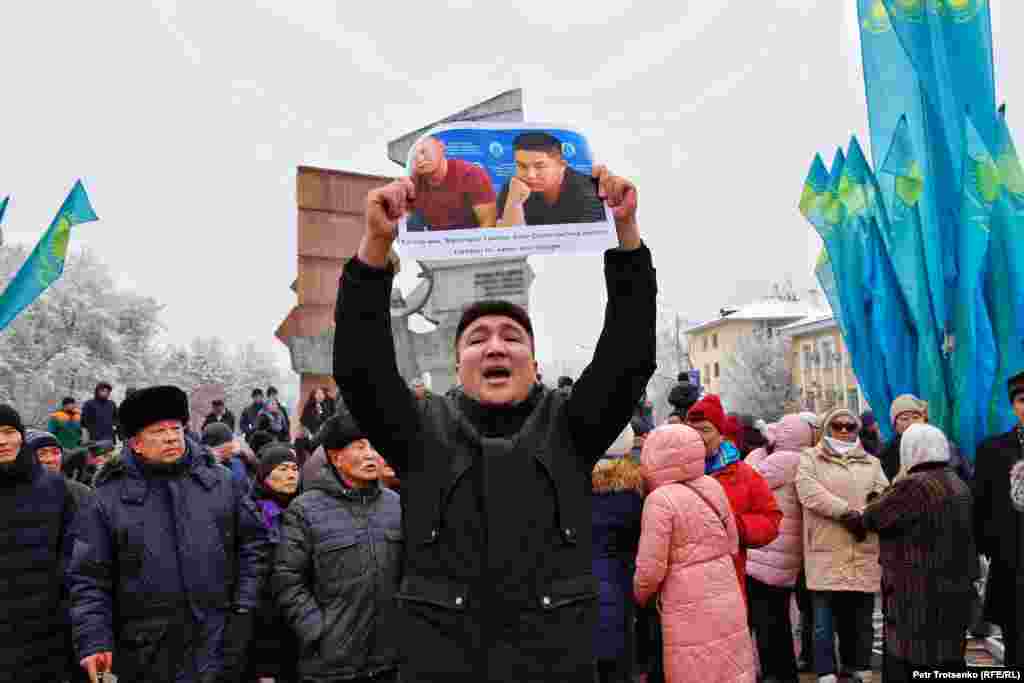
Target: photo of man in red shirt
450, 193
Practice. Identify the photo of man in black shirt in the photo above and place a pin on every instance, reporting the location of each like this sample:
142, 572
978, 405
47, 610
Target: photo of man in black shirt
545, 191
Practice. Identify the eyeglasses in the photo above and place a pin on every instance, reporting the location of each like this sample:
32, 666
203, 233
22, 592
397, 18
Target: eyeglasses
848, 427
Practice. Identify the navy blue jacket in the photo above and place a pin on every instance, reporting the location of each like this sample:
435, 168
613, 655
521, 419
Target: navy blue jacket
36, 509
100, 418
159, 561
616, 533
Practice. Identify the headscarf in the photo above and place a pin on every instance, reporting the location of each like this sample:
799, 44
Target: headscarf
921, 443
841, 448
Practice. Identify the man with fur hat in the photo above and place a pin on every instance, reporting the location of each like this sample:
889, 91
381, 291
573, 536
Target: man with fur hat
498, 584
999, 527
37, 510
169, 561
758, 516
337, 567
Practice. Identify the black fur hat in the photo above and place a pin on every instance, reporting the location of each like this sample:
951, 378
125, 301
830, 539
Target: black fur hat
152, 404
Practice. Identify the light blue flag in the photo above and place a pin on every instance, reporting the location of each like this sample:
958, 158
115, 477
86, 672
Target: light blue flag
907, 250
46, 262
3, 208
879, 357
894, 92
891, 343
973, 357
1006, 274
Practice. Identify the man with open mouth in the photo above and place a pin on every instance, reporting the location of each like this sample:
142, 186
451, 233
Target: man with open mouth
497, 582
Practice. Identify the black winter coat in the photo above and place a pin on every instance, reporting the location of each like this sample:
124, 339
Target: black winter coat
161, 560
335, 574
37, 510
273, 652
250, 414
498, 584
100, 418
999, 528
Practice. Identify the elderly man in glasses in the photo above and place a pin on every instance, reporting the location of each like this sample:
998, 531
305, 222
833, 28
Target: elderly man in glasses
840, 557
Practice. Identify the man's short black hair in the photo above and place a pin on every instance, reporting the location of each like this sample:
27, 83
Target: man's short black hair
217, 402
68, 400
257, 392
505, 309
536, 141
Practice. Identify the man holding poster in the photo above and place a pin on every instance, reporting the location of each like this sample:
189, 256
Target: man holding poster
497, 581
544, 190
450, 193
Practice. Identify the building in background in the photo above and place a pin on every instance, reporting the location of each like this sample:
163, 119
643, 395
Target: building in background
713, 342
821, 366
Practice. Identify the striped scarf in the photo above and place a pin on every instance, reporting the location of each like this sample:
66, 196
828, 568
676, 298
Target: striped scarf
726, 455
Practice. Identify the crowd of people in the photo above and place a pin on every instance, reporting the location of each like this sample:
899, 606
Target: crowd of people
504, 531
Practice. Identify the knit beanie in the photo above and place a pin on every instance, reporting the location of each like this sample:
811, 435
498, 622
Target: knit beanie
217, 434
271, 457
339, 431
709, 409
259, 439
36, 439
907, 403
9, 417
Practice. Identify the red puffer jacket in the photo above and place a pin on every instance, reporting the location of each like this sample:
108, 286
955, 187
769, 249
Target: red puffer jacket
757, 514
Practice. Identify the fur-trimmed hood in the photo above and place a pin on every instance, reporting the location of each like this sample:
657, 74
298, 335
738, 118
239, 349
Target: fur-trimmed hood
617, 475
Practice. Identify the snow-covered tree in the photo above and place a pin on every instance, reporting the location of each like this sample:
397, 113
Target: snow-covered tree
756, 379
82, 330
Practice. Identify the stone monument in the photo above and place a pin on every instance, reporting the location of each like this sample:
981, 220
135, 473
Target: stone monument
330, 225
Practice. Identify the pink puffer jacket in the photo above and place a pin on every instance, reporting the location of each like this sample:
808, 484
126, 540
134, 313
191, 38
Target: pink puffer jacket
685, 557
779, 562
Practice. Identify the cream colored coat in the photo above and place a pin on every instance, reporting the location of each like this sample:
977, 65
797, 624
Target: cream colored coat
828, 486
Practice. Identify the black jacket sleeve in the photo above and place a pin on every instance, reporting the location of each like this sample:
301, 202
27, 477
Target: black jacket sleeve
291, 578
984, 463
610, 387
365, 368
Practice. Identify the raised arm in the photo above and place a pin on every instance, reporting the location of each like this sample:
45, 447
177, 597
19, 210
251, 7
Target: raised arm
609, 388
365, 367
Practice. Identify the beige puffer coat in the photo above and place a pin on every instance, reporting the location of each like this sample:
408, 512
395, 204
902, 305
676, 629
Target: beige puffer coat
828, 485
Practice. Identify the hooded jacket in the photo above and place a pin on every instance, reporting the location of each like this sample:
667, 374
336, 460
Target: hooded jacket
829, 485
160, 559
779, 562
685, 562
335, 574
67, 428
99, 416
37, 512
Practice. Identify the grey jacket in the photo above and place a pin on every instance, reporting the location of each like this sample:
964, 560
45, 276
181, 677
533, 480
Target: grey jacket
334, 578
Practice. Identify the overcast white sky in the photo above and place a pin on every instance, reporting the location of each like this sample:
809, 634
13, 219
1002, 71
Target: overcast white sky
187, 121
